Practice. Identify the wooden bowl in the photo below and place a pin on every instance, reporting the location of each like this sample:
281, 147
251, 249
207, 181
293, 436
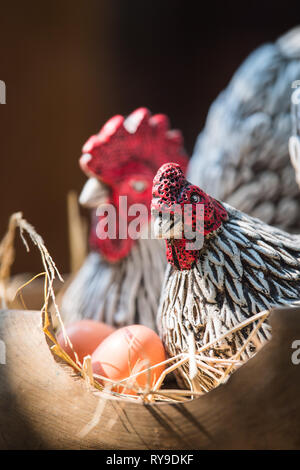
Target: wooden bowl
43, 405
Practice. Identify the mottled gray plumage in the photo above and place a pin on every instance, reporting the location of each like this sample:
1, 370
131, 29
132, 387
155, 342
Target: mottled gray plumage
241, 156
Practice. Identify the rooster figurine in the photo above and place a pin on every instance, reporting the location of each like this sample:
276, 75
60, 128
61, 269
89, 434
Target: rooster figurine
120, 281
241, 156
243, 267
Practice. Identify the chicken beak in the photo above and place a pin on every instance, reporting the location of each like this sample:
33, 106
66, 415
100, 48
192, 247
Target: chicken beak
93, 194
166, 226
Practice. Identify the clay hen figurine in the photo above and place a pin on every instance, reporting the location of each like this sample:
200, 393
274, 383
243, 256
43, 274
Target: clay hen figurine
241, 156
120, 281
244, 266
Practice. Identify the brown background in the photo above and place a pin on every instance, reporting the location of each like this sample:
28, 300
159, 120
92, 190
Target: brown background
70, 65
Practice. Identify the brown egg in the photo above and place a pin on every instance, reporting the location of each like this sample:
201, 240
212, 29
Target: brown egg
129, 350
85, 336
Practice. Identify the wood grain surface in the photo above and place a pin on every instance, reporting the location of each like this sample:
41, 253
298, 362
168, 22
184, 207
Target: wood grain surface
43, 405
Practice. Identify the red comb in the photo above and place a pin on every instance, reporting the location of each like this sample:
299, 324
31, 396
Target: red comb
141, 139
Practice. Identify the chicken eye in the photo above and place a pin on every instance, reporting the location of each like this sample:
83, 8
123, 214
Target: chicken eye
139, 186
194, 197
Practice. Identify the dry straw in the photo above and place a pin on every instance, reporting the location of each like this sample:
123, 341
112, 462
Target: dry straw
216, 369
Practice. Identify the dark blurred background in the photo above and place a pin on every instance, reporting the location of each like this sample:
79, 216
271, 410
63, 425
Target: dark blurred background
70, 65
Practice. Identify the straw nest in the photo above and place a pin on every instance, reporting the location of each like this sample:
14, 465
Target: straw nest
218, 370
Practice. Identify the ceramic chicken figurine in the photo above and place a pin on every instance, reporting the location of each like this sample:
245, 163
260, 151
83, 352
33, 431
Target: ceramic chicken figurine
241, 156
120, 281
243, 267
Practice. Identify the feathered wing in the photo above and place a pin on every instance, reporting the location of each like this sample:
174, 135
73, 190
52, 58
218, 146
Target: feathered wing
245, 268
118, 294
241, 156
